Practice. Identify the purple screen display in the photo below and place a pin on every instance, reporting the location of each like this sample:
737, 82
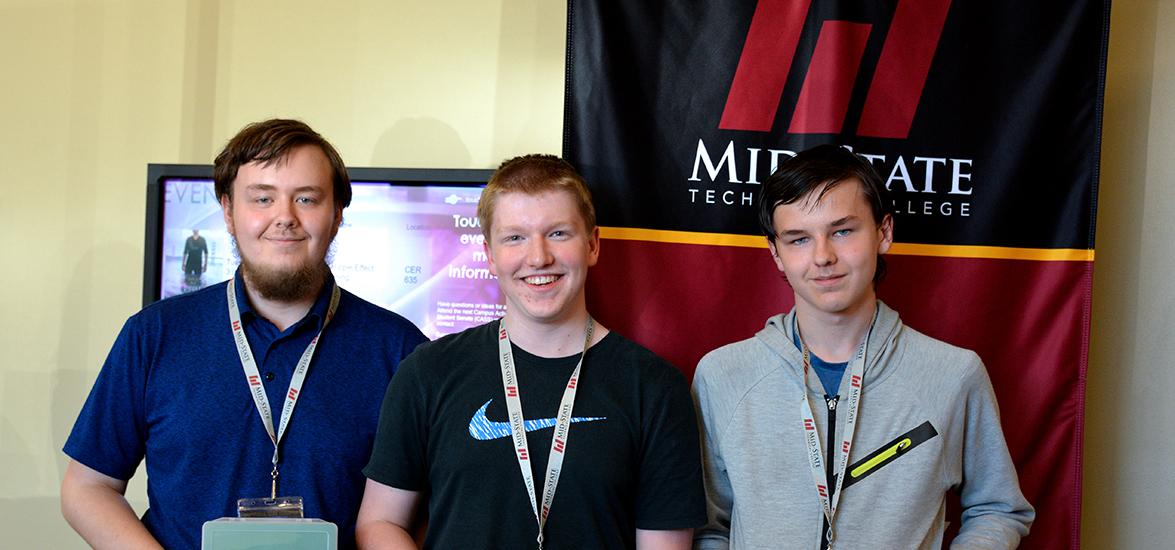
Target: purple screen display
416, 250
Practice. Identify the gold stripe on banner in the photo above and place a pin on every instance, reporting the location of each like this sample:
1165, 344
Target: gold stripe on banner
900, 249
682, 237
994, 252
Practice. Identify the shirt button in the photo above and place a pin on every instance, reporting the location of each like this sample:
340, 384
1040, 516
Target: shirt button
269, 377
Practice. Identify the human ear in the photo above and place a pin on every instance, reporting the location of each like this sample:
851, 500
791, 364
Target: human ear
886, 233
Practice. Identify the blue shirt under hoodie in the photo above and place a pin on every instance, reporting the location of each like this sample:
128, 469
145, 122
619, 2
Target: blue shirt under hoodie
829, 373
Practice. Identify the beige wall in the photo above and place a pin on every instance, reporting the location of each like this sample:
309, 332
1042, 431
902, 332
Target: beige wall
1130, 412
94, 90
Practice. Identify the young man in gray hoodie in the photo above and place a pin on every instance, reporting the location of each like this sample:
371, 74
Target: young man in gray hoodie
836, 426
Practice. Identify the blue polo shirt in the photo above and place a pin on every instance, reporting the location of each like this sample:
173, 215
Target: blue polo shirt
172, 391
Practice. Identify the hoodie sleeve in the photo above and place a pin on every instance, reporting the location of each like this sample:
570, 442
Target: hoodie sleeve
715, 535
995, 513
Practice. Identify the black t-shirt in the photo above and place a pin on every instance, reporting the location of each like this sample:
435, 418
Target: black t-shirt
632, 459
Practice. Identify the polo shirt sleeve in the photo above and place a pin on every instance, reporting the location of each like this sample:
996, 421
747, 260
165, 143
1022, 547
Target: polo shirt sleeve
671, 494
410, 339
109, 435
399, 456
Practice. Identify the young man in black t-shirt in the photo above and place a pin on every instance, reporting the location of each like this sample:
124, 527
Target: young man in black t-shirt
543, 429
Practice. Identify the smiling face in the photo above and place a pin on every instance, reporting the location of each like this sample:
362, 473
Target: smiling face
540, 249
827, 248
283, 218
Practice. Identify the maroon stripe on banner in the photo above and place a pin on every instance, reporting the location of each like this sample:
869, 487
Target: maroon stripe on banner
901, 71
763, 65
824, 98
1026, 319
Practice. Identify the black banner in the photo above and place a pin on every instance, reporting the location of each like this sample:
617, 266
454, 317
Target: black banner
983, 116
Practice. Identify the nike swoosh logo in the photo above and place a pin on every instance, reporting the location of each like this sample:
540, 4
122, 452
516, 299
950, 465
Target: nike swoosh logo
484, 429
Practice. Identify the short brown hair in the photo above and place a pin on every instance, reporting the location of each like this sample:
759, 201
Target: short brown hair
534, 174
270, 141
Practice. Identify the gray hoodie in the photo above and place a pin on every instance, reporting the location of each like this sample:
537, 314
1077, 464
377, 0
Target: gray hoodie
928, 424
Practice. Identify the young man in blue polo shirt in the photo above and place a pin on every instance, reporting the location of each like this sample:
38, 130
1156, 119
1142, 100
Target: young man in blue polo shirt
203, 386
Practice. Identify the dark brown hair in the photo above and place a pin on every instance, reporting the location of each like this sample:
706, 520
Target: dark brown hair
270, 141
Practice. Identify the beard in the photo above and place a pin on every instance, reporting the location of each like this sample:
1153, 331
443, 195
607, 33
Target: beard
283, 284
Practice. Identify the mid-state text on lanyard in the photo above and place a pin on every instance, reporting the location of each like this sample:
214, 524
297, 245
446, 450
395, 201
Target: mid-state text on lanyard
518, 431
812, 438
253, 377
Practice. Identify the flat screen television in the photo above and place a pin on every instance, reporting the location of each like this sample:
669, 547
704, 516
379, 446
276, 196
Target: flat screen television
409, 242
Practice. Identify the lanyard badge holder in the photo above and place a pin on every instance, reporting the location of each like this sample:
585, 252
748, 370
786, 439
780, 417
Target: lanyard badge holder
281, 507
273, 506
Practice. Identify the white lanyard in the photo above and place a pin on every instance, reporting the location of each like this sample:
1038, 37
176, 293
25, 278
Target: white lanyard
518, 431
253, 377
812, 437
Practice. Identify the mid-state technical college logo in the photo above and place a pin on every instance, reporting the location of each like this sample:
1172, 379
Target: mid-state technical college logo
891, 100
893, 95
